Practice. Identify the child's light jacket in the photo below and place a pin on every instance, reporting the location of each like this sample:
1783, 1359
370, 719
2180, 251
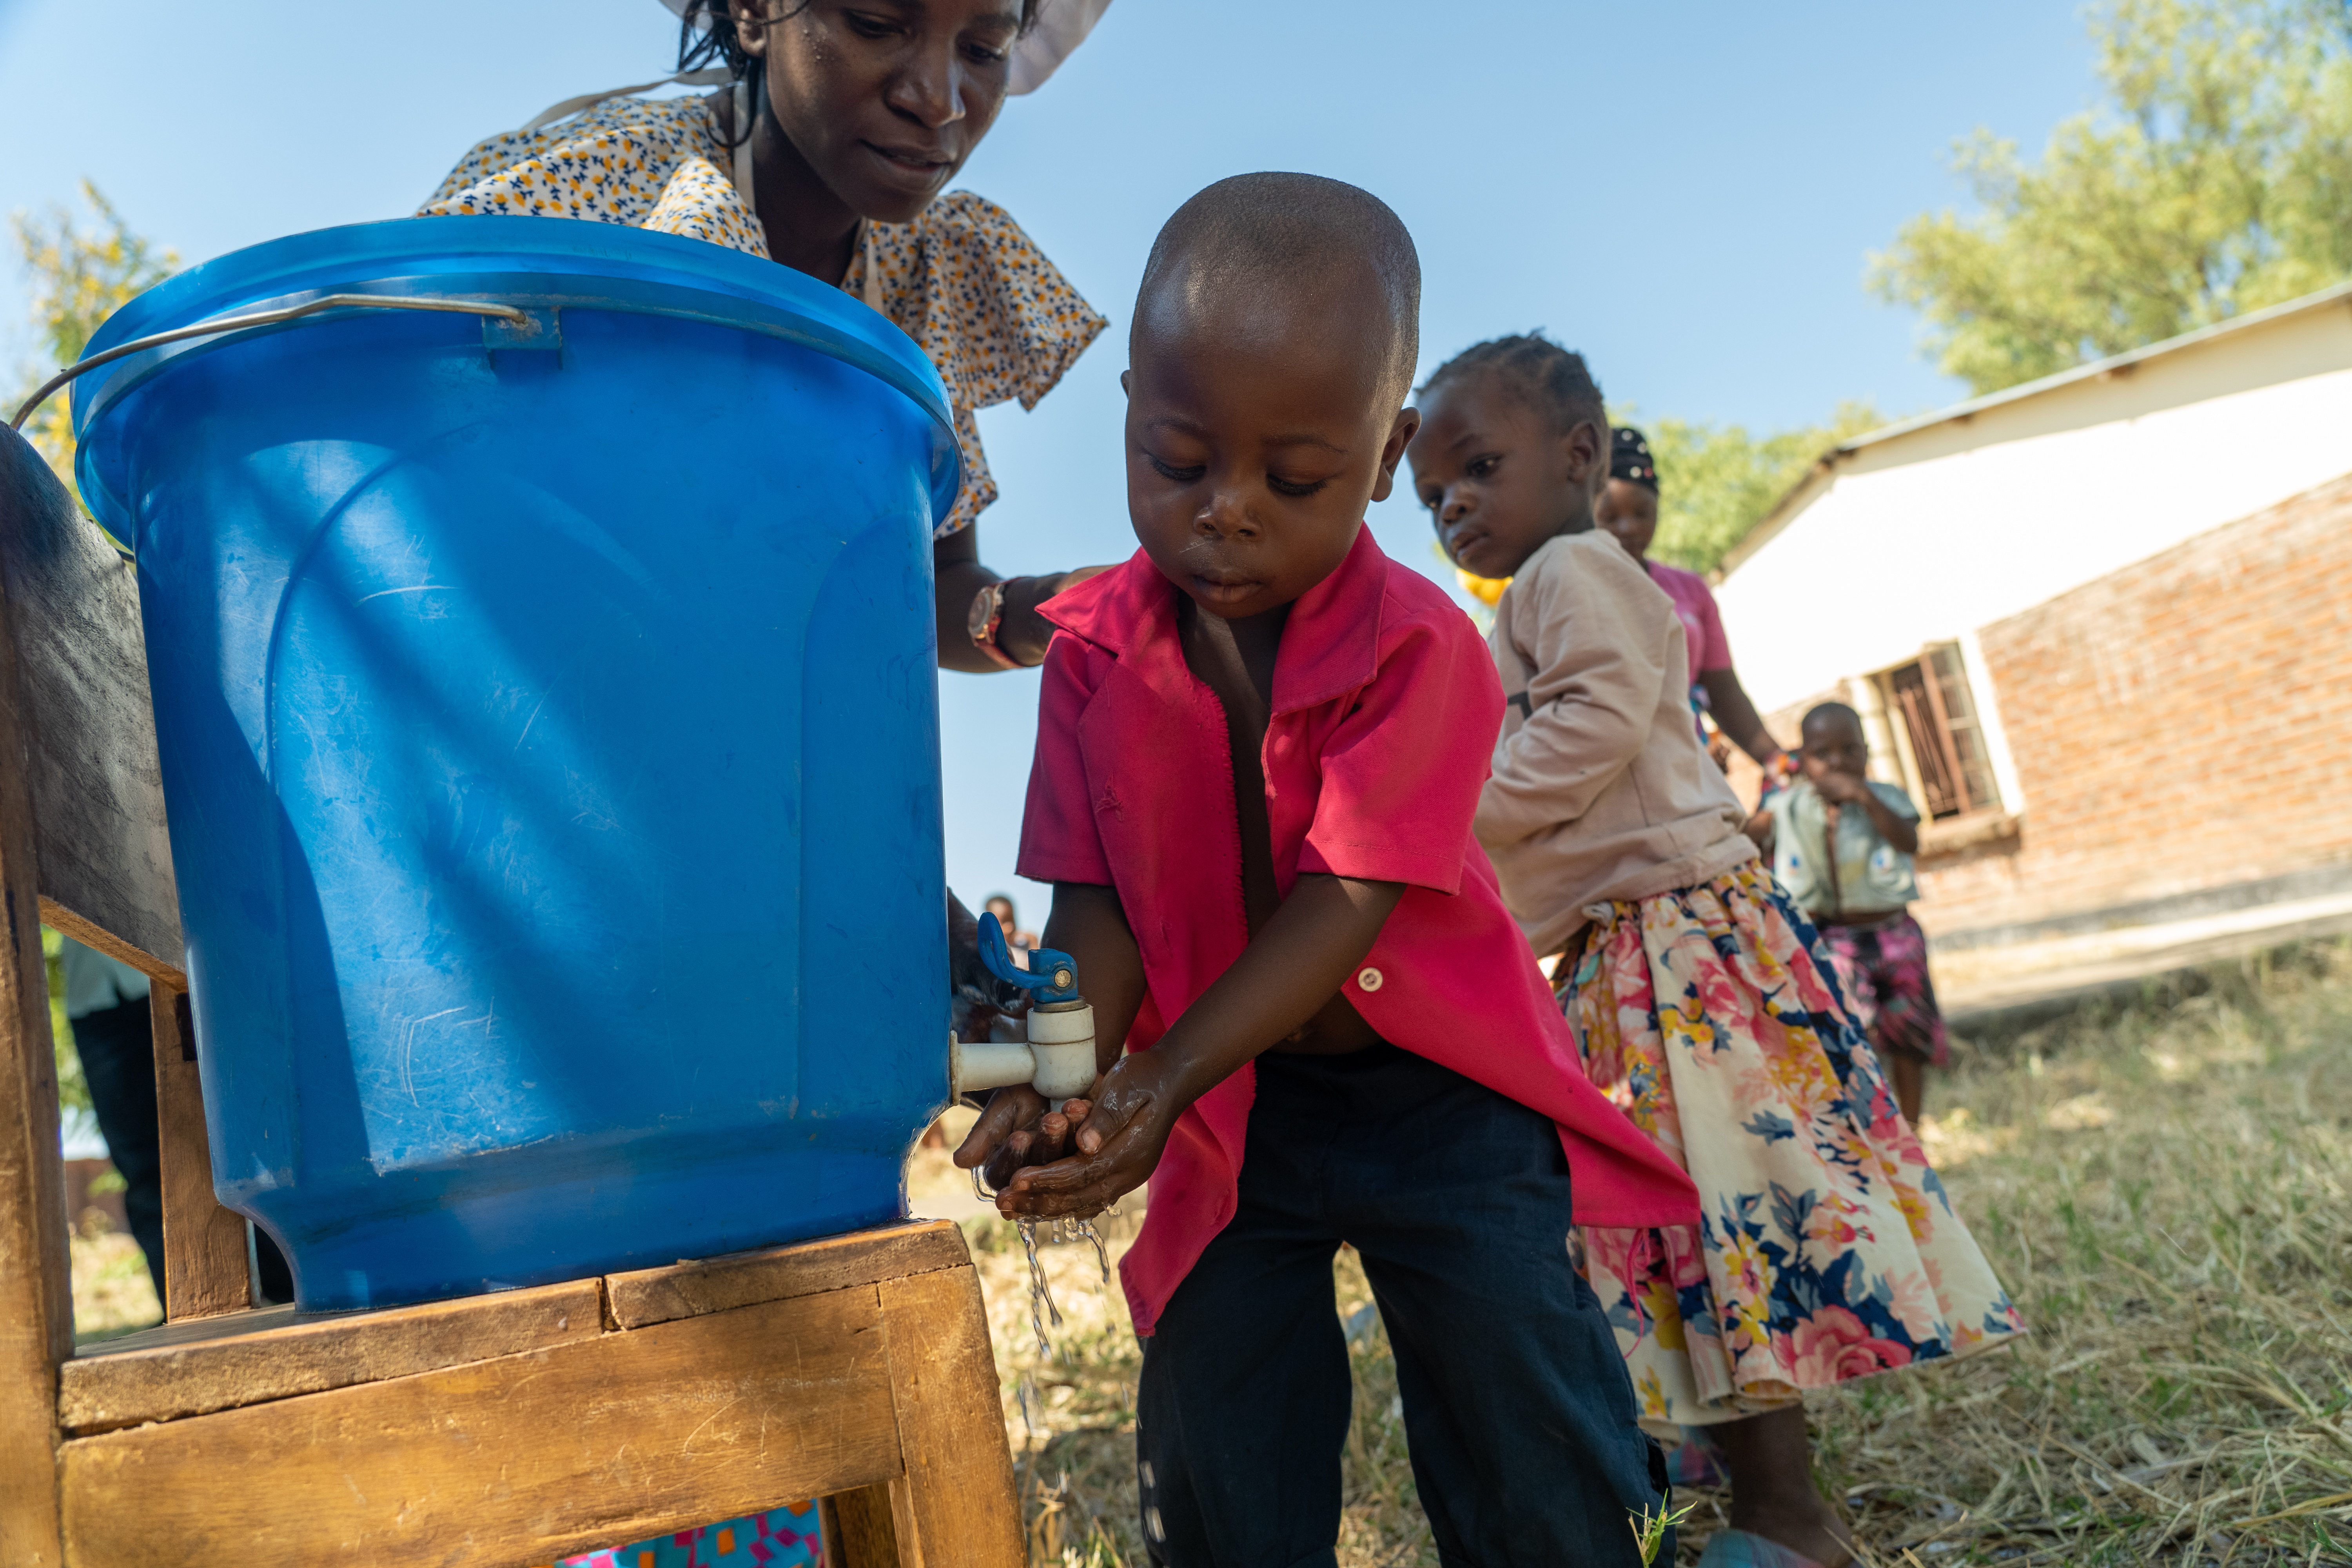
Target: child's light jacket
1600, 789
1871, 873
1385, 711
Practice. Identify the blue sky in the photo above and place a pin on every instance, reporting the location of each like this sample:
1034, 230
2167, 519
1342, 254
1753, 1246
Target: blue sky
1685, 191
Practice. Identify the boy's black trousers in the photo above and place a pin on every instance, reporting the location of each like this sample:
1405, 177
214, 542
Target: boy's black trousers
1518, 1409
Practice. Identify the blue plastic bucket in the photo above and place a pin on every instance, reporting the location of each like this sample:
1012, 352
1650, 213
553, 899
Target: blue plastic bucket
549, 740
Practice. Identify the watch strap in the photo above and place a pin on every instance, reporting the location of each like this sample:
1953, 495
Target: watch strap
987, 615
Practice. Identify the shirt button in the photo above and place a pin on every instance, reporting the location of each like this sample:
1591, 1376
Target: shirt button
1369, 979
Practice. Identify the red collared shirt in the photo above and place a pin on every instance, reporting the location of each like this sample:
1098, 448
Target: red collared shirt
1385, 711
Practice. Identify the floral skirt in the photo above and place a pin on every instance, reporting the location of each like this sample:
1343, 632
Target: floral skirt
1826, 1249
786, 1537
1882, 970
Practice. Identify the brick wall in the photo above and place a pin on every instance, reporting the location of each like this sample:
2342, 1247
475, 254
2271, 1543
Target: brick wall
2179, 725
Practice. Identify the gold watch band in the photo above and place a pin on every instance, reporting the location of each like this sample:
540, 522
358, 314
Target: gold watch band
986, 615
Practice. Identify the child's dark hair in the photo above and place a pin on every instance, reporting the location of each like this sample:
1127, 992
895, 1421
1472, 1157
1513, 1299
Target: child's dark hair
1269, 233
1825, 711
706, 35
1553, 377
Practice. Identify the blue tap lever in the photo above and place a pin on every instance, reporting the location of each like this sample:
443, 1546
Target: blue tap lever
1050, 977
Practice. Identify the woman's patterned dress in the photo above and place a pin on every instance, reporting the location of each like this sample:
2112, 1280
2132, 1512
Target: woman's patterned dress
994, 316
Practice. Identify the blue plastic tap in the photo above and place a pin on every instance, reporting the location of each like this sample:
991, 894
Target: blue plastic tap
1051, 976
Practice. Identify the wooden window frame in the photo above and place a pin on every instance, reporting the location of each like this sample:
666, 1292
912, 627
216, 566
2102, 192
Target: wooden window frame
1965, 798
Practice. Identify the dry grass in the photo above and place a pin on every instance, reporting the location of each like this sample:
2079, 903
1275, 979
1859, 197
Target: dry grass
113, 1293
2166, 1186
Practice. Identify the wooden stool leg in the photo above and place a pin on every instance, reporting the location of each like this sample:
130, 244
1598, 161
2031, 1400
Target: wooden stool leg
957, 1506
204, 1267
35, 1276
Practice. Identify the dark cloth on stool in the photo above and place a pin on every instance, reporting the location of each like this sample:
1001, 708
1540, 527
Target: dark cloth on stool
1518, 1408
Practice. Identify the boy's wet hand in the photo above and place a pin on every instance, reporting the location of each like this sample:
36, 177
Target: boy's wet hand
1118, 1146
1010, 1157
1009, 1110
1052, 1139
1017, 1131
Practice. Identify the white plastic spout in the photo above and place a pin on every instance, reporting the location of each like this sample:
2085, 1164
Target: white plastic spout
1062, 1038
974, 1066
1058, 1060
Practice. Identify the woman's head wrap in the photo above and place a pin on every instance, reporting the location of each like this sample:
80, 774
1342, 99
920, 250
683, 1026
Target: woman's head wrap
1629, 459
1060, 27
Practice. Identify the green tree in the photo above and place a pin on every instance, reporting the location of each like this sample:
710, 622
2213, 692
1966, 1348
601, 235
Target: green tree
80, 276
2217, 179
73, 1089
1718, 481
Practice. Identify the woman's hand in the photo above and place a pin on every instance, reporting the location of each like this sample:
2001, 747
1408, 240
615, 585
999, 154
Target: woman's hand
974, 996
1735, 714
1022, 633
1134, 1113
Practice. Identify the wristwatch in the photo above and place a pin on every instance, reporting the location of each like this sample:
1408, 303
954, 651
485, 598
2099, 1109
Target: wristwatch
988, 613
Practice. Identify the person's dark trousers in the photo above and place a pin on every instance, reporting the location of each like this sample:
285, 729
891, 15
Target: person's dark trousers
118, 1061
1518, 1408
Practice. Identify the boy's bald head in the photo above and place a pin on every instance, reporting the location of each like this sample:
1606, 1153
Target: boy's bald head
1256, 253
1273, 349
1829, 718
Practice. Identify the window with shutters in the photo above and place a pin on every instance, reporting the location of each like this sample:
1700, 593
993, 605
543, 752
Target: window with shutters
1945, 761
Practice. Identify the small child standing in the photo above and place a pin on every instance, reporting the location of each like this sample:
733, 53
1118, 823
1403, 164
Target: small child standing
1259, 747
1841, 844
1827, 1249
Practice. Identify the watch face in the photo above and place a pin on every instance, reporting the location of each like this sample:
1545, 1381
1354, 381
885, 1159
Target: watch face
980, 621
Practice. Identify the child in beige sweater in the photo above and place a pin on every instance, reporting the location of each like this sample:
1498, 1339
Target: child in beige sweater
1592, 798
1828, 1250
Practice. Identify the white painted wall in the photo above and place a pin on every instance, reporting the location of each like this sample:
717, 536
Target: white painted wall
1929, 535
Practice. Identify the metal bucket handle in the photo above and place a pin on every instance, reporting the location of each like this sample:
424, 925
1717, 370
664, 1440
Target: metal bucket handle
262, 319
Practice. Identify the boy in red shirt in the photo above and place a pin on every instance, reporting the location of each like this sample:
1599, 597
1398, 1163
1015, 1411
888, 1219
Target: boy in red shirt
1260, 747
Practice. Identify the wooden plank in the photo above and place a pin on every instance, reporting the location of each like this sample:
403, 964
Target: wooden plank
122, 1387
861, 1528
663, 1295
36, 1283
196, 1330
90, 935
958, 1500
501, 1463
97, 791
206, 1269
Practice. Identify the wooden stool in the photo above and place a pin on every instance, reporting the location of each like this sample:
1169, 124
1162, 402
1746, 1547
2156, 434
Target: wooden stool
498, 1430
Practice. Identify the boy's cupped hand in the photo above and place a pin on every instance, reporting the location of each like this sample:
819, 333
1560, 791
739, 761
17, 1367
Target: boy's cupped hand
1016, 1130
1078, 1162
